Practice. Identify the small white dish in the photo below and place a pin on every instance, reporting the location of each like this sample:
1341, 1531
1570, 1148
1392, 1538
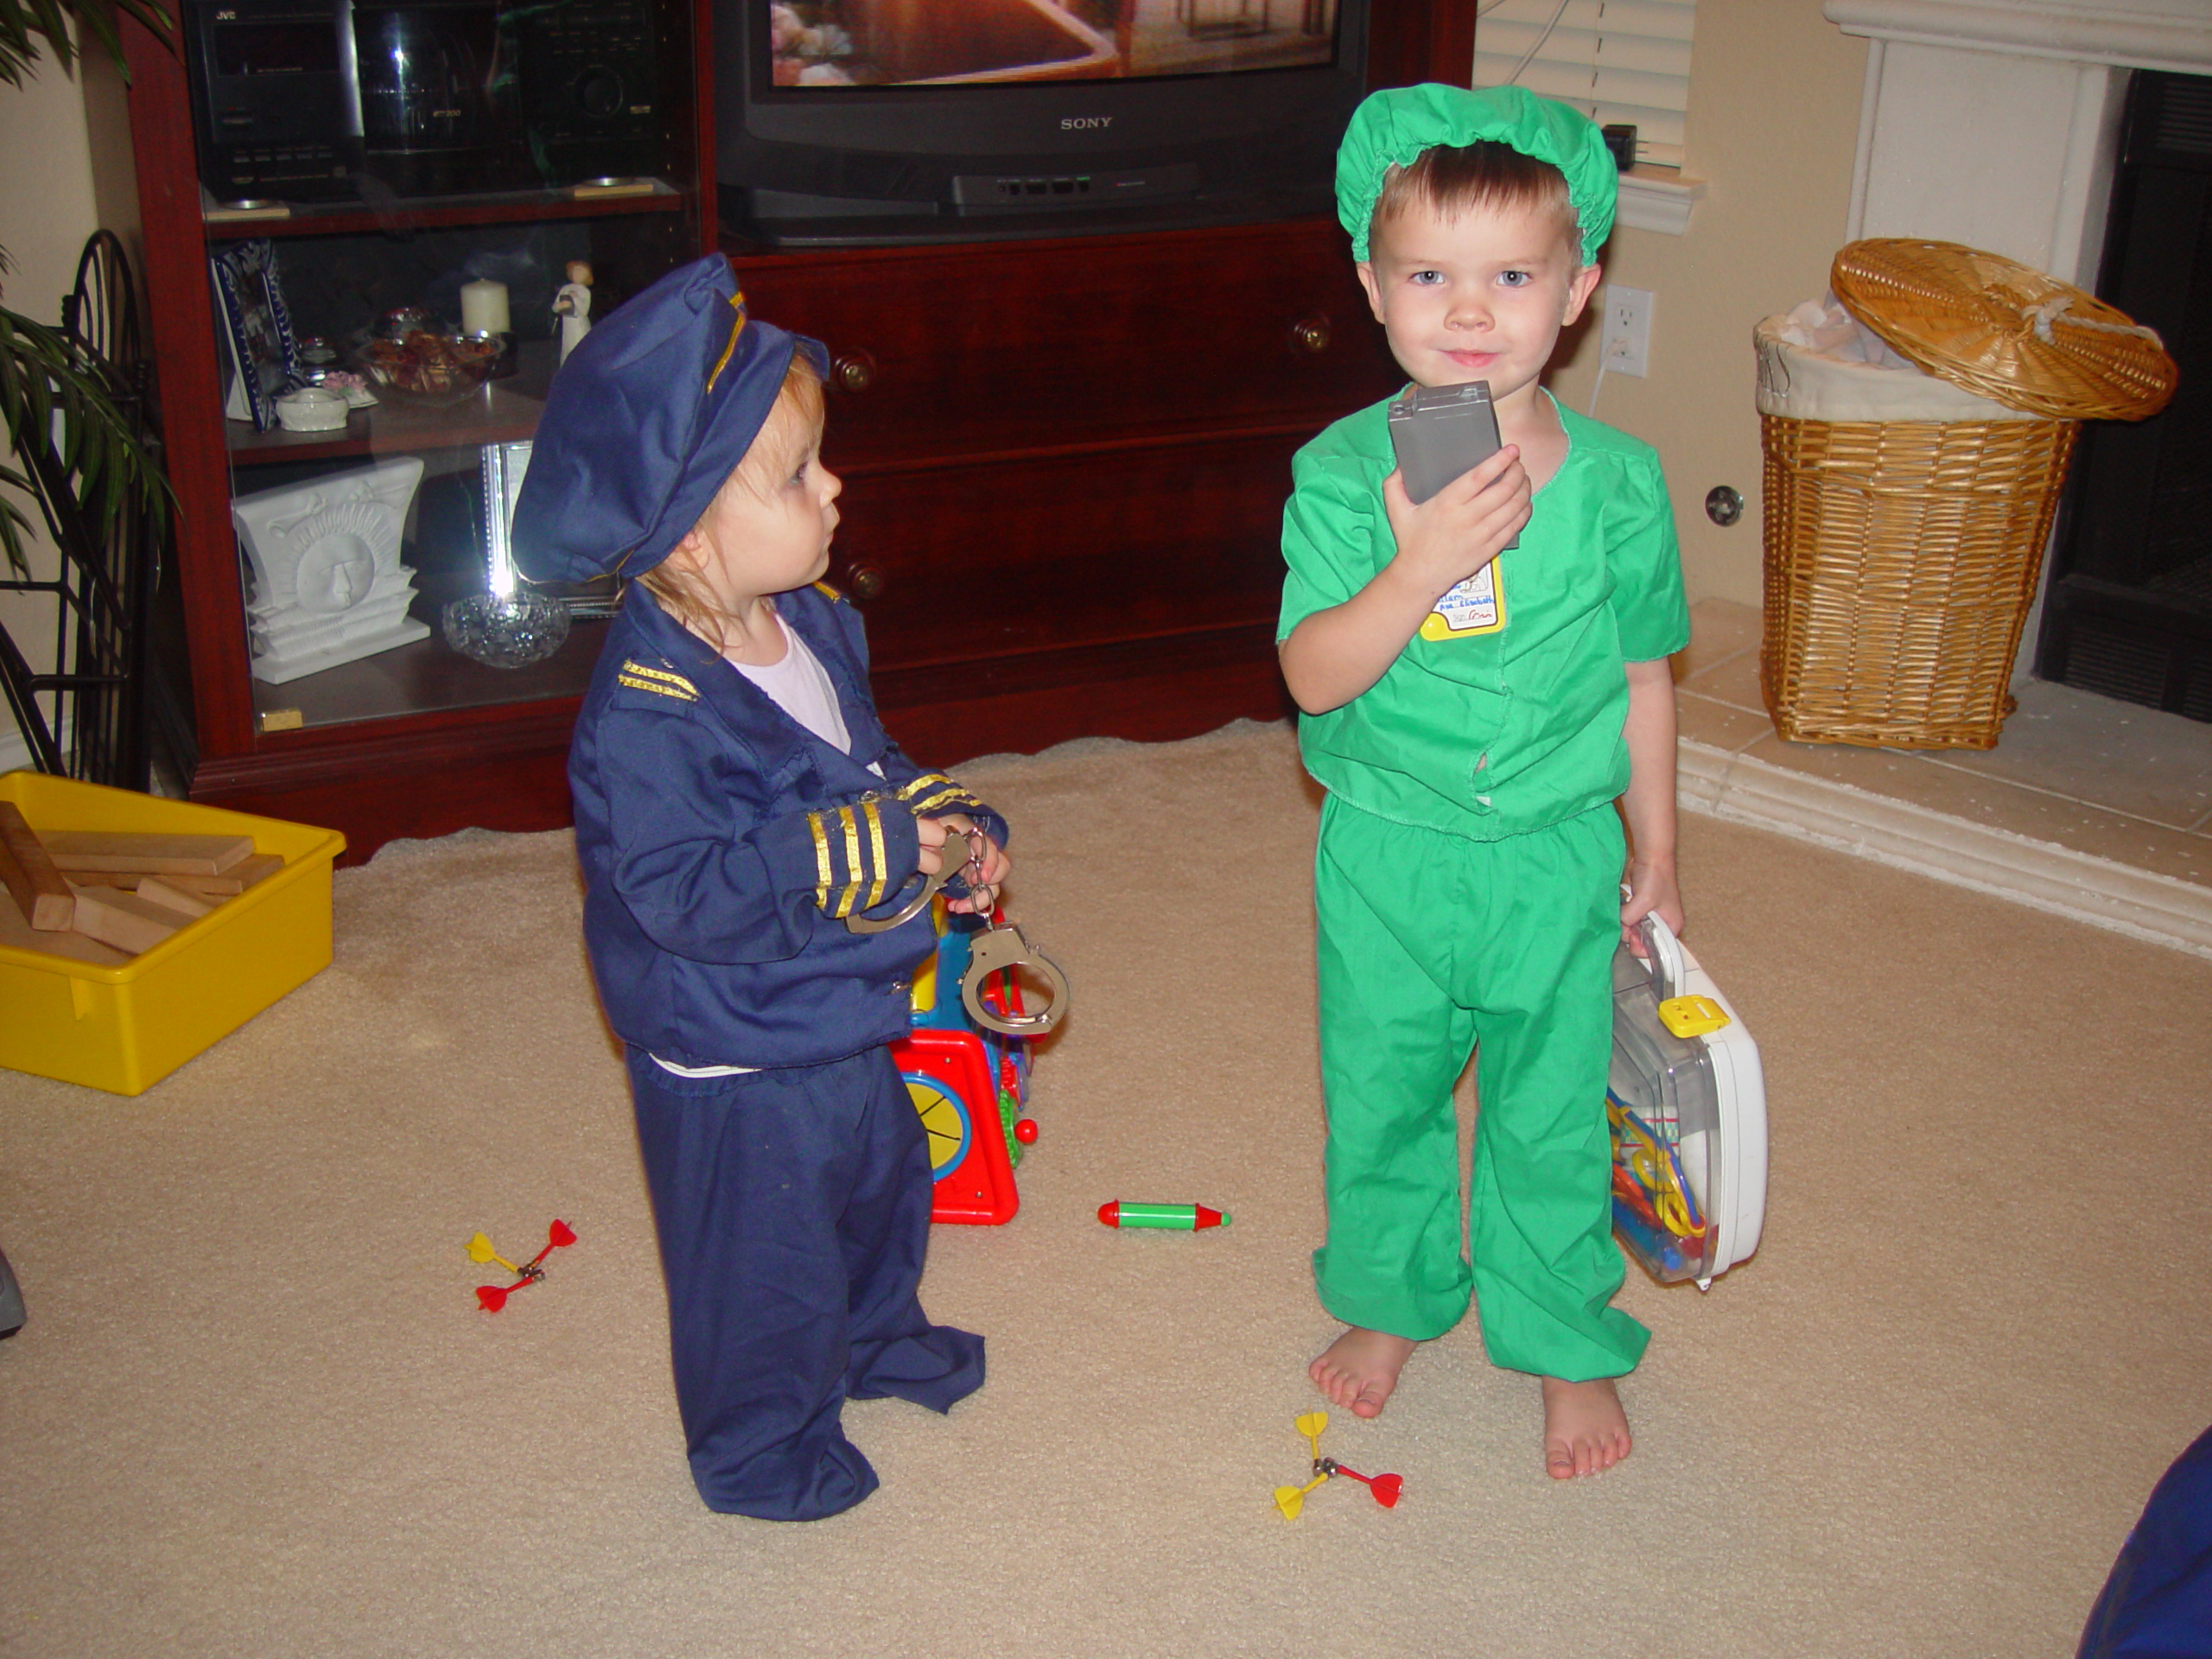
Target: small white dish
312, 409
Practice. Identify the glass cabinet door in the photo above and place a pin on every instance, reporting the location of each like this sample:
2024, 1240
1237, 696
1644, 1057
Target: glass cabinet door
382, 385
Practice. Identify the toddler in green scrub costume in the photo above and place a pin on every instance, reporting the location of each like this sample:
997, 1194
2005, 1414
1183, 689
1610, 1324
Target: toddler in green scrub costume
1475, 707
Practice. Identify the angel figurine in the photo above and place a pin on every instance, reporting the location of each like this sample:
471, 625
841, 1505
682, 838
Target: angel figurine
572, 304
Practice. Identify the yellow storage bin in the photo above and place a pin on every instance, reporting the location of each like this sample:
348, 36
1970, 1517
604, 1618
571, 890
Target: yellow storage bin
125, 1028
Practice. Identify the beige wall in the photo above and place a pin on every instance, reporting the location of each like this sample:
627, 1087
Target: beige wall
1773, 128
46, 214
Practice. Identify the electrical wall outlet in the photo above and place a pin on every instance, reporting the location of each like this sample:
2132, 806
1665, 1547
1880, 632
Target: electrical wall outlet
1626, 325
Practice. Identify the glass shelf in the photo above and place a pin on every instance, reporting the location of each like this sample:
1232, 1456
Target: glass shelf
427, 674
499, 411
358, 218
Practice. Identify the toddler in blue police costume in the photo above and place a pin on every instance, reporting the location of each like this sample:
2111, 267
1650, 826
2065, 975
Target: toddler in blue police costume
1482, 676
735, 799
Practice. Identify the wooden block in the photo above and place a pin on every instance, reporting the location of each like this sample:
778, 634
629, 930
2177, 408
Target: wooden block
124, 919
156, 890
16, 931
32, 880
228, 884
231, 882
118, 849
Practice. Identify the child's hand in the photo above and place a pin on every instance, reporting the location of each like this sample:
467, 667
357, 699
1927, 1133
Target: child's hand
984, 875
1463, 526
1651, 887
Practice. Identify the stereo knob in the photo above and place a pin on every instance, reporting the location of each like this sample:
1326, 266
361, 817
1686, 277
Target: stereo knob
598, 92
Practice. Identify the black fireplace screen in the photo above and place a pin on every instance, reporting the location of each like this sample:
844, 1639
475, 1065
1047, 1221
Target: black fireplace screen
2128, 611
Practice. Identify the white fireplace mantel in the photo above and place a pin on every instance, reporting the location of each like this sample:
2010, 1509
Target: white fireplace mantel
1996, 123
2128, 34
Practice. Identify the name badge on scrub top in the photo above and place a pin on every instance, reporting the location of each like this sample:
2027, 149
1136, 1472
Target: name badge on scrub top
1474, 605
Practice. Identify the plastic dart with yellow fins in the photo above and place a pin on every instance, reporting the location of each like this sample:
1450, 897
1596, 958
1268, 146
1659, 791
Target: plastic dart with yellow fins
1384, 1489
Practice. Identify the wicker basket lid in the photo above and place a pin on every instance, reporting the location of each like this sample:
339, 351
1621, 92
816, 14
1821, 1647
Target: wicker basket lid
2004, 330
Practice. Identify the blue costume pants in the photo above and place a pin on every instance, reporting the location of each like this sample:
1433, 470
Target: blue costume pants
1429, 946
793, 1210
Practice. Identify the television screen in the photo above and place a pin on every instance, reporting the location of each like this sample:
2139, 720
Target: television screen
857, 121
940, 42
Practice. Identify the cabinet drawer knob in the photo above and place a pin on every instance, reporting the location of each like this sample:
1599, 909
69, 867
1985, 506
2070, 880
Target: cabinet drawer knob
853, 372
866, 580
1310, 334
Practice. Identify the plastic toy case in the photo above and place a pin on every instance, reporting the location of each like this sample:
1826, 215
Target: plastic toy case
967, 1084
1687, 1104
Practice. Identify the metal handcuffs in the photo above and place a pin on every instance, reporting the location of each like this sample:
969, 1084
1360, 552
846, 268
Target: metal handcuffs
1001, 947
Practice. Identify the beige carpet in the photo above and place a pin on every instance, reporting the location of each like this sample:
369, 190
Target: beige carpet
256, 1411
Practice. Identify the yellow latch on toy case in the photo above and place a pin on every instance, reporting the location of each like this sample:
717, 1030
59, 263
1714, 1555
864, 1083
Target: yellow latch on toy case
1693, 1015
925, 997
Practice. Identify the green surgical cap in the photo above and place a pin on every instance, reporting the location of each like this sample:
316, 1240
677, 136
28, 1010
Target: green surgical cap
1392, 128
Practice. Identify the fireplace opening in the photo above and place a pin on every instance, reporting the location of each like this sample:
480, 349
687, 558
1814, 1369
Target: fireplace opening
2128, 612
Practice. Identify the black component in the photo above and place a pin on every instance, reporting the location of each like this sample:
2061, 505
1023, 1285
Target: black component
268, 97
324, 100
590, 99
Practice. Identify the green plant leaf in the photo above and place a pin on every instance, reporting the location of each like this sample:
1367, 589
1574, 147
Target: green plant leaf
25, 23
51, 391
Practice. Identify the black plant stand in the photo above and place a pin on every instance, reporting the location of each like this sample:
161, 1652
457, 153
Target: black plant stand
88, 717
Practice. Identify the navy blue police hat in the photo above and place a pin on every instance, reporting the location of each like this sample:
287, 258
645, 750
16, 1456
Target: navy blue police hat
651, 412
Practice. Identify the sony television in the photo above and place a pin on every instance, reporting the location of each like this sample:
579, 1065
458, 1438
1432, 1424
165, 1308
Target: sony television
855, 122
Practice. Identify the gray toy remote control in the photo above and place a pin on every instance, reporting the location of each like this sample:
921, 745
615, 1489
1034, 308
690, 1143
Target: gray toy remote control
1440, 433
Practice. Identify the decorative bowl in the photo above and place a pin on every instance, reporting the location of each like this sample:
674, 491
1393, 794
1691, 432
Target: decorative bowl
439, 367
506, 631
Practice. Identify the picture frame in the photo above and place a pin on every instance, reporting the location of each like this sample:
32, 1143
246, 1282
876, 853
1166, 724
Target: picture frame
260, 352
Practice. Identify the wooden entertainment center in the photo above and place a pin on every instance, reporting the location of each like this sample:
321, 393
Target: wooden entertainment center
1064, 465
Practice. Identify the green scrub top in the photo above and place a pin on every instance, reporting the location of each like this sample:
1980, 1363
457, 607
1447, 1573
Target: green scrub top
1491, 734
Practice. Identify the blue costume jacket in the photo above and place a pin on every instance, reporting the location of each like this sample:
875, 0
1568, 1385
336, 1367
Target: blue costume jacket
723, 843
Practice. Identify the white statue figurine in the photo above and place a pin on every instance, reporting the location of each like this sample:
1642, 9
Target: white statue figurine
572, 304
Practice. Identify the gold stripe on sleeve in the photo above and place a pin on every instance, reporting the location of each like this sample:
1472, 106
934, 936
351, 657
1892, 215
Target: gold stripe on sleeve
852, 860
954, 796
821, 859
926, 780
875, 846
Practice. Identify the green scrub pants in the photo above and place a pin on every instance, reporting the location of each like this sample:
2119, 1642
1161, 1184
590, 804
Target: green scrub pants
1430, 946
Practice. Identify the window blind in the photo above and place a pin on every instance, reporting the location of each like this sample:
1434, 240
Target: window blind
1614, 60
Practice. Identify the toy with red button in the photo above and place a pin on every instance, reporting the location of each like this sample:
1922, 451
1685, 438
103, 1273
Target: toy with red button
968, 1082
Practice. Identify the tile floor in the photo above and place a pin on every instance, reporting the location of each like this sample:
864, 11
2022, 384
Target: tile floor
2083, 772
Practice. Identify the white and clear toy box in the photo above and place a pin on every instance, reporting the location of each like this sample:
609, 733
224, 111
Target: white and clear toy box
1687, 1104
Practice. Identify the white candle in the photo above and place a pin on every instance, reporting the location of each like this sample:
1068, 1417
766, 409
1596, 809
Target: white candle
483, 307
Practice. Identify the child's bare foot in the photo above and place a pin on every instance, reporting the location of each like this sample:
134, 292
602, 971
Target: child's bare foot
1585, 1431
1359, 1370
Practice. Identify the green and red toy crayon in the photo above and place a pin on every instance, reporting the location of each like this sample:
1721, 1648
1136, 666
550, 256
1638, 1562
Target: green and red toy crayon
1188, 1217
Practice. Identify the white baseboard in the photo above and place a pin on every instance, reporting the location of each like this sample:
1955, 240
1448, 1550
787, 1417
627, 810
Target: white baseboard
2050, 878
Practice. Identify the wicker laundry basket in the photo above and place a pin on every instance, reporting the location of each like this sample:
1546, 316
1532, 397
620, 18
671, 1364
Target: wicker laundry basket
1902, 553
